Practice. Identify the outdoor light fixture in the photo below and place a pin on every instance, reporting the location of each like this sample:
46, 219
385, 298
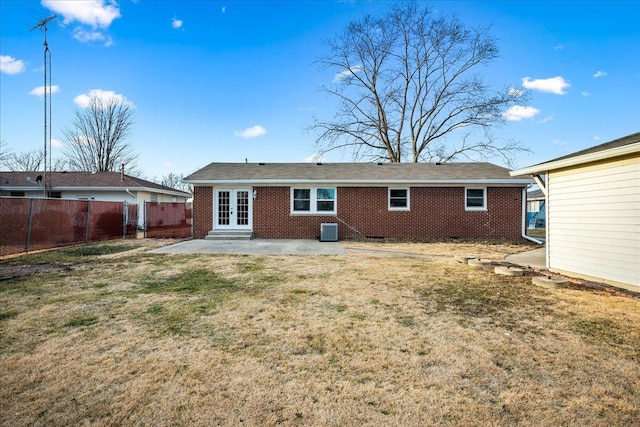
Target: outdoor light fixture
255, 193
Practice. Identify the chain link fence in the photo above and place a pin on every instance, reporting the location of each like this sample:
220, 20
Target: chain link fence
34, 224
164, 220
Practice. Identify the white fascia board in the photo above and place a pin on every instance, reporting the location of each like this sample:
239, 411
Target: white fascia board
543, 168
20, 188
504, 182
121, 190
159, 191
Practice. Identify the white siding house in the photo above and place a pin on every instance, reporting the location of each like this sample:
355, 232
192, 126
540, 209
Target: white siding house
98, 186
593, 212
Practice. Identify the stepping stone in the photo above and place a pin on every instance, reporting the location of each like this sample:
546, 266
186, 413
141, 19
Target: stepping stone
464, 259
549, 282
508, 271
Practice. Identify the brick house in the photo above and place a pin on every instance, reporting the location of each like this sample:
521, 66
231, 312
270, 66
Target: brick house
366, 200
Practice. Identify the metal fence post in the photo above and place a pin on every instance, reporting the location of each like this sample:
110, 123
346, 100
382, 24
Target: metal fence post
144, 218
125, 218
28, 242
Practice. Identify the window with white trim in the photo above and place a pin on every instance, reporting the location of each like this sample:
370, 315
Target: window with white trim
398, 199
314, 200
475, 199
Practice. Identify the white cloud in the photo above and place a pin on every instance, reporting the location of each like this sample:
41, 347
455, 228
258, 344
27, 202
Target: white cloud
516, 92
84, 100
176, 23
10, 65
346, 73
39, 91
252, 132
96, 13
518, 112
551, 85
546, 119
224, 9
56, 143
585, 93
85, 36
596, 138
558, 47
599, 73
167, 164
314, 158
559, 141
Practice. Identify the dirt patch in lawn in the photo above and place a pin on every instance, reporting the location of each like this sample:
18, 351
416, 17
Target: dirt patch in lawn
357, 339
65, 258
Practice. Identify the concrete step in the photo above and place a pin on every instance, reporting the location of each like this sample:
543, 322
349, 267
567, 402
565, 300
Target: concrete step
229, 235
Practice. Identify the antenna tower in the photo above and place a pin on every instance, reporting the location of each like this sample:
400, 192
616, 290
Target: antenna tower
42, 25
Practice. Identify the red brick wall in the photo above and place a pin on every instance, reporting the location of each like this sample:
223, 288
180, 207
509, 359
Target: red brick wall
202, 211
436, 213
272, 218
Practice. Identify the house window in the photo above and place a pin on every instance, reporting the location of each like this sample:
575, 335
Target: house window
475, 199
326, 199
398, 199
313, 200
55, 194
154, 197
17, 194
301, 200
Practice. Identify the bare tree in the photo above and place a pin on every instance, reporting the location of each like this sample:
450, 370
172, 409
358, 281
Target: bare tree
59, 164
409, 90
26, 161
5, 153
97, 139
173, 180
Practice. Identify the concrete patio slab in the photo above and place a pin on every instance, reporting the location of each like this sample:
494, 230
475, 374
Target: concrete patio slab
536, 258
255, 246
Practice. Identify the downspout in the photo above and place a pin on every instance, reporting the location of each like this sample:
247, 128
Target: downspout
135, 198
524, 219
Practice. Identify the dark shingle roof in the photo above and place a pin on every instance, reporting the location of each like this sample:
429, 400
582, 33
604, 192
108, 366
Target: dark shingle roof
620, 142
354, 172
535, 194
622, 146
82, 180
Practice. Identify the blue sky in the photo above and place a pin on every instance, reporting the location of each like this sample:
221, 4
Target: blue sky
227, 81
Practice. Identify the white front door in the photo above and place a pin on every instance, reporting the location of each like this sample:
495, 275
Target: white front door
232, 209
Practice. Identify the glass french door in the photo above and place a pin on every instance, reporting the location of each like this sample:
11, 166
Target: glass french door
232, 209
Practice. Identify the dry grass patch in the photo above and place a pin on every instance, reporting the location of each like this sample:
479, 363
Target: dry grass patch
360, 339
489, 249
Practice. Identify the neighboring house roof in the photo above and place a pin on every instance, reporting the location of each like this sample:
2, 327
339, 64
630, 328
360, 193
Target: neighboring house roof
101, 181
354, 173
535, 195
619, 147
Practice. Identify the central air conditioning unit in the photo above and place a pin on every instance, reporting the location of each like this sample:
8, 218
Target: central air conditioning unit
328, 232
